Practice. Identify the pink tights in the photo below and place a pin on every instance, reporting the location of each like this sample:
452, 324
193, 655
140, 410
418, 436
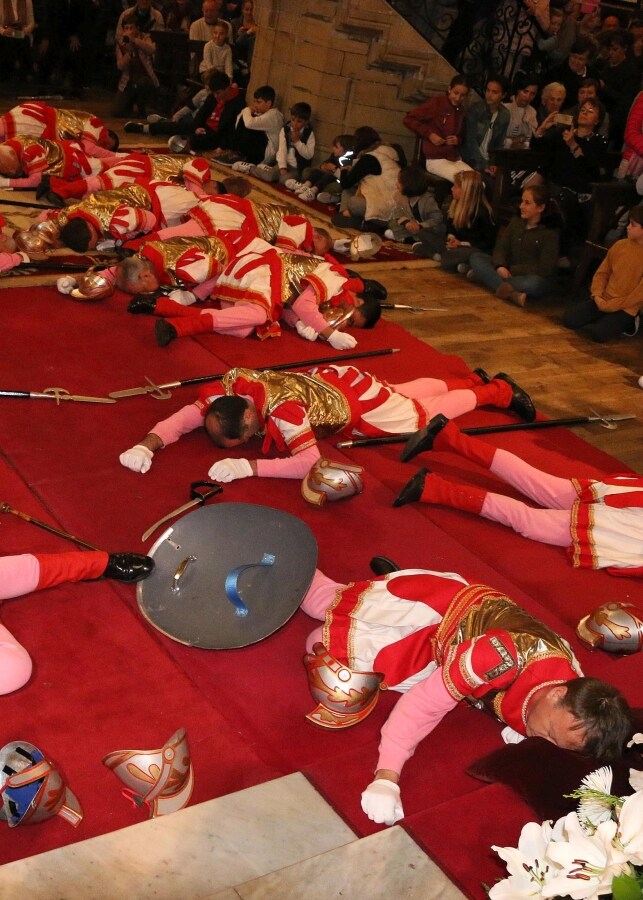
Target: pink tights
436, 396
557, 495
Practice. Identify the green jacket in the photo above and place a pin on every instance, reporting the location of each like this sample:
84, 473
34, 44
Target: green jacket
524, 251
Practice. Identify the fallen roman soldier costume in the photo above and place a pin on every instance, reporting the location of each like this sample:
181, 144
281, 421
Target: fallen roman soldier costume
130, 210
139, 168
412, 623
294, 408
36, 119
598, 522
64, 159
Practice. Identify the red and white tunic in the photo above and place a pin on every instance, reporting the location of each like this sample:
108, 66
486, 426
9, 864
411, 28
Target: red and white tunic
607, 524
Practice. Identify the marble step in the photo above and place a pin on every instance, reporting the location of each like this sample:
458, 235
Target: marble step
279, 839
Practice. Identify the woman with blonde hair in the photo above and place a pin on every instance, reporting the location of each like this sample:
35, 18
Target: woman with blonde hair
470, 226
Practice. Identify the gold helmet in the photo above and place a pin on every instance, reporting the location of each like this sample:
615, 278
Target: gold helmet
344, 697
92, 285
162, 779
330, 480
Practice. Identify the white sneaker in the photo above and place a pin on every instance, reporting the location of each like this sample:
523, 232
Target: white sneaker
292, 184
326, 197
388, 234
244, 167
309, 193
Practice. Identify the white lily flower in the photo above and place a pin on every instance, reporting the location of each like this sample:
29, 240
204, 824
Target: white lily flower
636, 779
588, 862
527, 867
630, 828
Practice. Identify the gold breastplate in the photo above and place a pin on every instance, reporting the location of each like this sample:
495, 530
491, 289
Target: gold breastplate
103, 204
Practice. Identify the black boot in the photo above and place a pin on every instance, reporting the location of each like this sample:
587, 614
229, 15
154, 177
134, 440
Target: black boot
144, 303
423, 439
43, 188
412, 490
165, 333
128, 567
521, 402
482, 374
382, 565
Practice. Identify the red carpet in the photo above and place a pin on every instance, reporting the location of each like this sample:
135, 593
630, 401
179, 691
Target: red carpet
104, 680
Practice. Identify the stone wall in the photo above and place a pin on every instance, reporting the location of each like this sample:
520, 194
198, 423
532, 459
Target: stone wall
356, 62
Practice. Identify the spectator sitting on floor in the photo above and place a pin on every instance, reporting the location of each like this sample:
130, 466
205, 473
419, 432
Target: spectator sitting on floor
138, 83
256, 134
525, 258
324, 180
616, 290
470, 226
417, 219
295, 152
217, 53
369, 186
485, 125
439, 121
523, 120
181, 122
214, 122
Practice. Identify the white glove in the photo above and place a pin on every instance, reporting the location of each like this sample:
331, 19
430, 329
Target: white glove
305, 331
230, 469
510, 736
107, 244
342, 246
185, 298
339, 340
66, 284
138, 459
381, 802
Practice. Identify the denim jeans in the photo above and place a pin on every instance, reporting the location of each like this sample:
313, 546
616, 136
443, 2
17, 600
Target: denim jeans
532, 285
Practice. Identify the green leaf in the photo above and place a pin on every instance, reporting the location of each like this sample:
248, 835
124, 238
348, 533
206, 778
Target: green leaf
626, 887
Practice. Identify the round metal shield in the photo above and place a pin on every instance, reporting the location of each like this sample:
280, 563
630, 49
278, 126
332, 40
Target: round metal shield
228, 575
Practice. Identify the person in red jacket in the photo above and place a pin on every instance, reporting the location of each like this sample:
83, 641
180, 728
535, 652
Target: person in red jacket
439, 121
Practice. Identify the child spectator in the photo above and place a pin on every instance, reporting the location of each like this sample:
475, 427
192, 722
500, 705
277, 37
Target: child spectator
325, 176
525, 258
417, 218
522, 115
217, 53
368, 187
295, 151
439, 121
256, 134
214, 122
470, 226
616, 289
485, 125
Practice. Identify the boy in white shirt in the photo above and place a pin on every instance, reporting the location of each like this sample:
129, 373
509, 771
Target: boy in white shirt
295, 152
256, 136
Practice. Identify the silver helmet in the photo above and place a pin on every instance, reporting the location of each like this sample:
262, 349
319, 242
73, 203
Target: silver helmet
615, 627
92, 285
330, 480
32, 789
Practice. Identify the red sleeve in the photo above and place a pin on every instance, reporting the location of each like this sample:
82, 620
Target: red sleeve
487, 661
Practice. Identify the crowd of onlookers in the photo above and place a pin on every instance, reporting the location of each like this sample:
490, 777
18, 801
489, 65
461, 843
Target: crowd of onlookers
66, 45
577, 101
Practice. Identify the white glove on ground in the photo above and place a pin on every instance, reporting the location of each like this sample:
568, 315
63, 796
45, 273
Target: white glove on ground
185, 298
138, 459
339, 340
66, 284
230, 470
305, 331
381, 802
107, 244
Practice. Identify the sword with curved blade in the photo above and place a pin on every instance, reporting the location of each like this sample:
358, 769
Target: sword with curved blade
57, 394
198, 499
